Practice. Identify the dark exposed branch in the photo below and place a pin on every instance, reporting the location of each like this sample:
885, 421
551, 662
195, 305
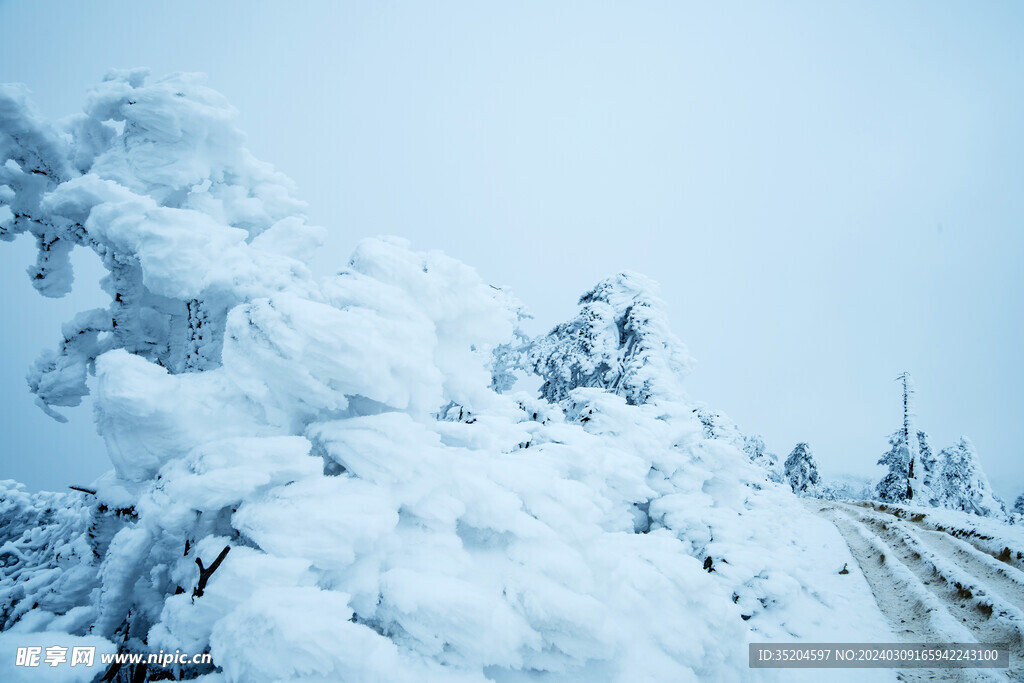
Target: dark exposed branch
111, 672
205, 573
139, 675
91, 492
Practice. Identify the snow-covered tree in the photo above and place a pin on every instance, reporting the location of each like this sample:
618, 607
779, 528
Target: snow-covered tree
619, 341
1016, 514
847, 487
510, 358
157, 181
801, 471
896, 486
717, 425
931, 470
902, 483
755, 449
963, 484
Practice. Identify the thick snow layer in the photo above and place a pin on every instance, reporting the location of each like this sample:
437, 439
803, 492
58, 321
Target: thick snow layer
498, 560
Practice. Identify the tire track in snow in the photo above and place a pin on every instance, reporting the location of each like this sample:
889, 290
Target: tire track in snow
1009, 555
920, 599
1006, 580
974, 600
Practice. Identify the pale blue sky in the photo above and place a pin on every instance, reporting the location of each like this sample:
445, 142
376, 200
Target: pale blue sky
829, 193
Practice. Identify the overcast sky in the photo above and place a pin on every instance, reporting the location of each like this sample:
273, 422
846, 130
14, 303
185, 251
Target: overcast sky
828, 193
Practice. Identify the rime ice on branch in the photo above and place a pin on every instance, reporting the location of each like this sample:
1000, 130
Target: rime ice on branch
155, 178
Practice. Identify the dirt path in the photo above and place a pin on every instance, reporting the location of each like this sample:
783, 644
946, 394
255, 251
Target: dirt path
933, 587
